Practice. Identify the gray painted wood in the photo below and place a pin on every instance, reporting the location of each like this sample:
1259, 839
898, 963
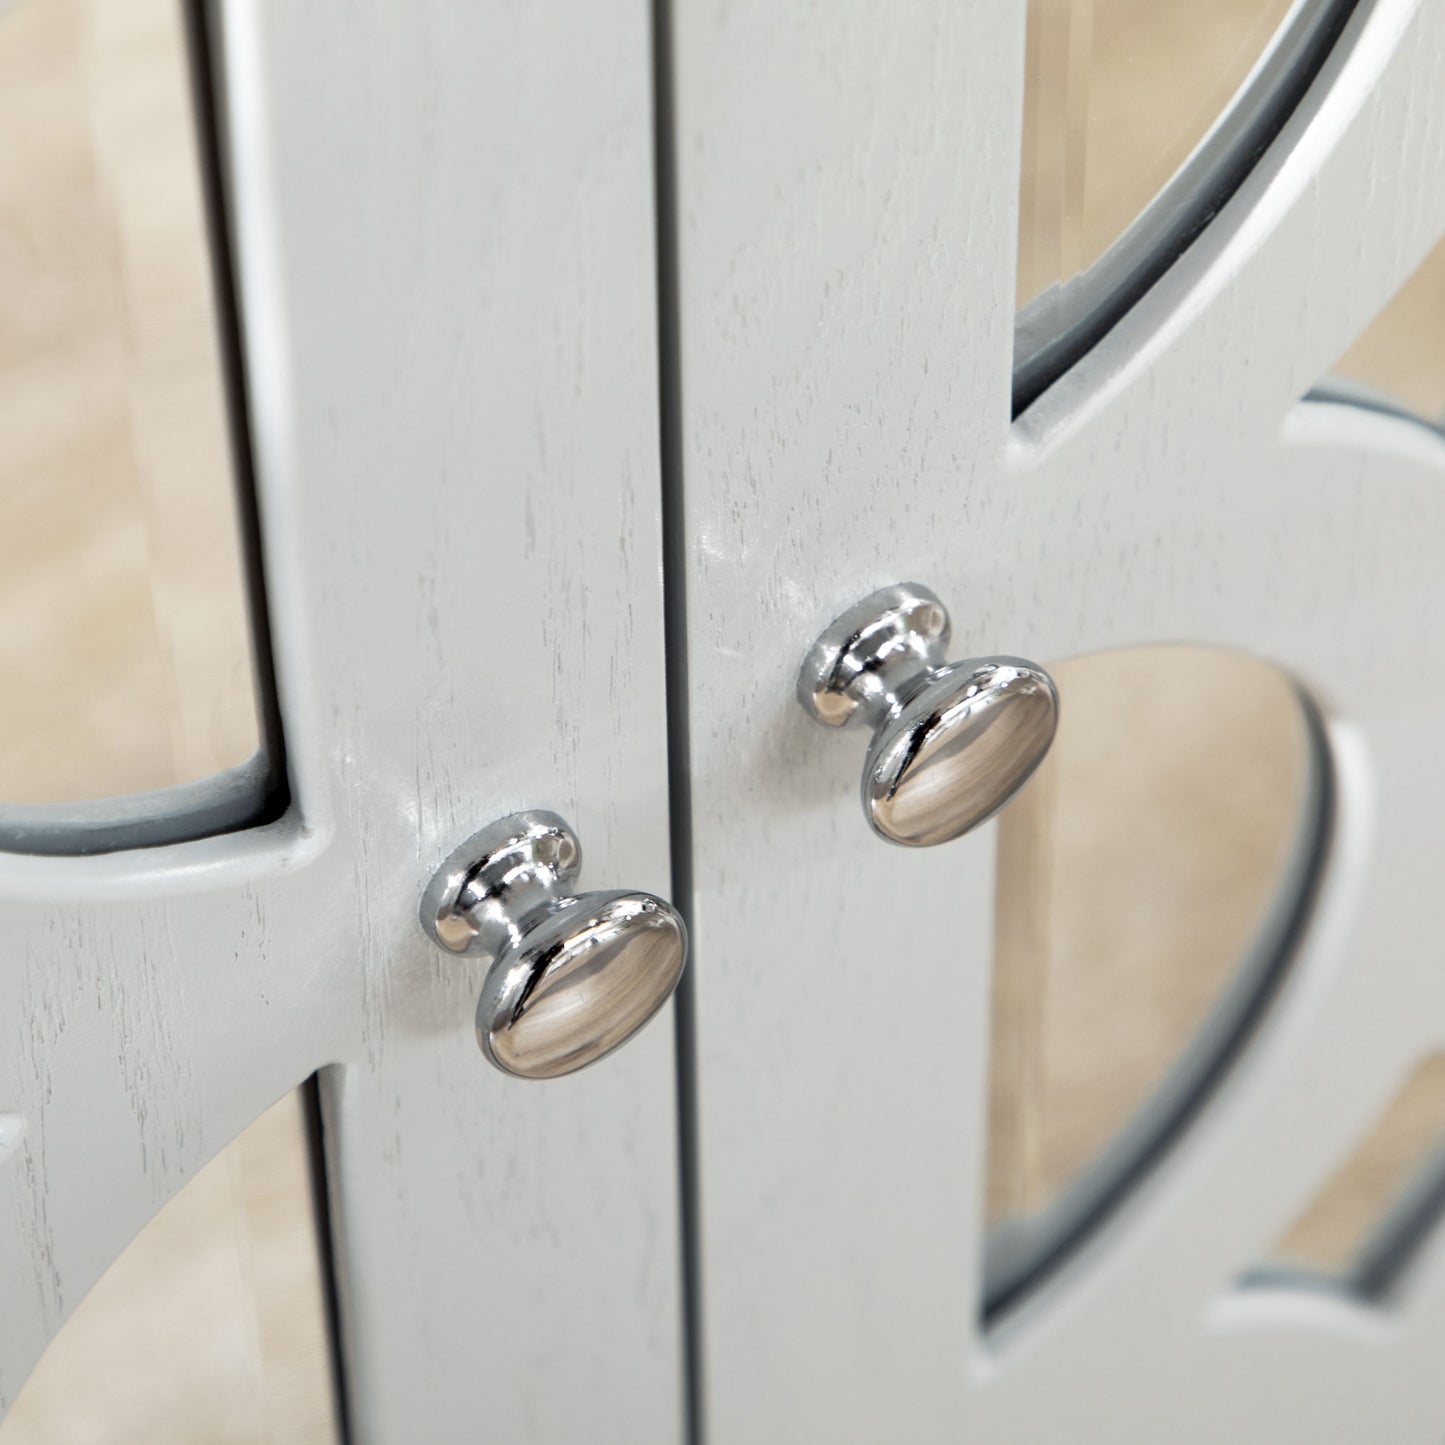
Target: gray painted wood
445, 242
847, 176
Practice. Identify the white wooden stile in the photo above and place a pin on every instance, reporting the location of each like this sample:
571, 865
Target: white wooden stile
846, 204
445, 241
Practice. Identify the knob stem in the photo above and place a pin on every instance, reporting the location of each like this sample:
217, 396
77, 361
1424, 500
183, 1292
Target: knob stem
952, 742
571, 977
873, 658
496, 887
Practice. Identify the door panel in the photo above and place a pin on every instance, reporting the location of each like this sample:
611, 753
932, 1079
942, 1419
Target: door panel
1150, 880
212, 1325
845, 307
846, 322
443, 225
1140, 122
129, 672
468, 428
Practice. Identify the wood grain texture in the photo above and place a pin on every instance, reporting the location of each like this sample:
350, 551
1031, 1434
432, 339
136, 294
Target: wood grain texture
1331, 1233
846, 261
210, 1329
124, 643
1119, 93
1400, 354
445, 243
1135, 872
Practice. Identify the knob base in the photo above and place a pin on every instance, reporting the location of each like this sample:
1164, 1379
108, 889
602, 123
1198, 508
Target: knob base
952, 742
868, 660
572, 976
481, 895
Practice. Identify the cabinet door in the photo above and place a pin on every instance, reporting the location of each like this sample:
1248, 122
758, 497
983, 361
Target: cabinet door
441, 218
846, 181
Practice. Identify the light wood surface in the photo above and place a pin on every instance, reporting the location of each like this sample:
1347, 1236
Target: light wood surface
1119, 93
1133, 873
210, 1329
124, 645
1330, 1233
1401, 353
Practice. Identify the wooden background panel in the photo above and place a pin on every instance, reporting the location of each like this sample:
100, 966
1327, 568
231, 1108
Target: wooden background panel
211, 1326
124, 643
1325, 229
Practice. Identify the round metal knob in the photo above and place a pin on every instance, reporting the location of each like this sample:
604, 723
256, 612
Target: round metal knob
953, 741
572, 977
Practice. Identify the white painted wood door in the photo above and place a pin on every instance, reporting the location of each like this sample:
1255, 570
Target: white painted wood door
442, 219
443, 223
845, 212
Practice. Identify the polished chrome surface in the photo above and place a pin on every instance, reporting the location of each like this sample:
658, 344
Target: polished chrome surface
571, 977
953, 742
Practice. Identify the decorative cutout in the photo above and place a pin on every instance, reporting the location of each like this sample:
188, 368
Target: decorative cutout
125, 647
1398, 364
212, 1325
1140, 121
1151, 878
1365, 1224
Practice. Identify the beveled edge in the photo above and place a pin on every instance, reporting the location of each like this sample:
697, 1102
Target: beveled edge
222, 802
1056, 329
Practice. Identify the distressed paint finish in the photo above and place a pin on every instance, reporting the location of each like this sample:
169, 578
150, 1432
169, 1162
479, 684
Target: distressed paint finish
846, 185
444, 230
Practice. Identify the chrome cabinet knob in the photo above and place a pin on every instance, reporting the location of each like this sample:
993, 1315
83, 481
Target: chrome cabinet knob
572, 976
952, 741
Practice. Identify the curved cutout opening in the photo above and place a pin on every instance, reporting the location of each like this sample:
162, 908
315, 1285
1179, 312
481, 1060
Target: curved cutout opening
1096, 227
1364, 1226
1397, 364
135, 658
212, 1324
1152, 880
